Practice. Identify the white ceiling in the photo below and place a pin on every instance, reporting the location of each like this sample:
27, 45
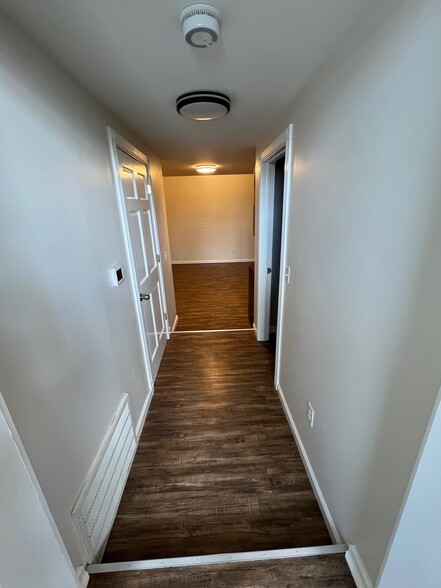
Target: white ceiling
132, 56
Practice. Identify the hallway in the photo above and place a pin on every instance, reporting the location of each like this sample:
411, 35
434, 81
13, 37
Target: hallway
136, 402
217, 469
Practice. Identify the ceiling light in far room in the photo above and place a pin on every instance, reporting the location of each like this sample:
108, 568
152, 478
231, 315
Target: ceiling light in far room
205, 169
203, 105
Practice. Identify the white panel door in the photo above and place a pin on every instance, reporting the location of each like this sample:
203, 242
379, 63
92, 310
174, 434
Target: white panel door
141, 219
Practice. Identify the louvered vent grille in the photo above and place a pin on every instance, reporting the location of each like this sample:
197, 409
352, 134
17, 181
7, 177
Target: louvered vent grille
199, 12
96, 507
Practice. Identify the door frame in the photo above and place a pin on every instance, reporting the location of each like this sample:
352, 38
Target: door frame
116, 141
50, 535
282, 145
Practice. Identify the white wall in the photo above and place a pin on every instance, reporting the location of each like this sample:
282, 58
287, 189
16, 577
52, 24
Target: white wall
69, 341
362, 325
210, 218
414, 557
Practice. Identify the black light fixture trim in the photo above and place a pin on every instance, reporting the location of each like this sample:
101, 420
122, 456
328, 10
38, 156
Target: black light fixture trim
202, 96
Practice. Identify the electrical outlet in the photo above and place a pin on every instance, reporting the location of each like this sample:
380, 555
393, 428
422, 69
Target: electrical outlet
287, 274
310, 413
233, 252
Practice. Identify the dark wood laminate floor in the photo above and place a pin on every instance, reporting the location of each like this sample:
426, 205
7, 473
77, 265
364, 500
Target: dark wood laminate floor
217, 469
211, 296
323, 571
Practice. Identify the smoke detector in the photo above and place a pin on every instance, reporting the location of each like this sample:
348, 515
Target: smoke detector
200, 25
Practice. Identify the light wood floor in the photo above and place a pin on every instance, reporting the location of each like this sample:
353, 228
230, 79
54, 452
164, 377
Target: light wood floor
217, 469
325, 571
211, 296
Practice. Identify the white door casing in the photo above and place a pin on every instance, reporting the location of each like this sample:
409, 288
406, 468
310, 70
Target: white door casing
32, 552
132, 176
283, 145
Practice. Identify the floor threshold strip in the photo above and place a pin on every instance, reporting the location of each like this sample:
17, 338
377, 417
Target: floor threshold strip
220, 558
213, 331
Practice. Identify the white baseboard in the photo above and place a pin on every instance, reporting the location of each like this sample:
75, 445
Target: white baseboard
311, 475
83, 577
212, 261
175, 324
143, 416
358, 571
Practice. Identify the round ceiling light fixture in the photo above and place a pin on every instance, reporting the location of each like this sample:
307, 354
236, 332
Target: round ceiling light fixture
200, 25
205, 169
203, 105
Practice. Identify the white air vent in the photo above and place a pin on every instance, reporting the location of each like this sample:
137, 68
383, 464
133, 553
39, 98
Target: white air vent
97, 504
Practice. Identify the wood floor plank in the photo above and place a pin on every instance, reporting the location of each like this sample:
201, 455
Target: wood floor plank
308, 572
217, 469
211, 296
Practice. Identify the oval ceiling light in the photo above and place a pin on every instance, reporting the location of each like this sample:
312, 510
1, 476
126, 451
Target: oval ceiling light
203, 105
205, 169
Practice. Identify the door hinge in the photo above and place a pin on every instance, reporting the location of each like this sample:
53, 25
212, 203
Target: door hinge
165, 316
158, 258
268, 270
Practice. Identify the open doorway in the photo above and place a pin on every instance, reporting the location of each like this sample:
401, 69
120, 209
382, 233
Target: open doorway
279, 181
210, 221
272, 272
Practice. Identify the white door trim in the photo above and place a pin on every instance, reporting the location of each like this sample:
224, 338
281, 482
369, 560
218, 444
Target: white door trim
283, 145
54, 532
117, 141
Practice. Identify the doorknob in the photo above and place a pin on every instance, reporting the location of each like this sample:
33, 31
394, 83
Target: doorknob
144, 297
